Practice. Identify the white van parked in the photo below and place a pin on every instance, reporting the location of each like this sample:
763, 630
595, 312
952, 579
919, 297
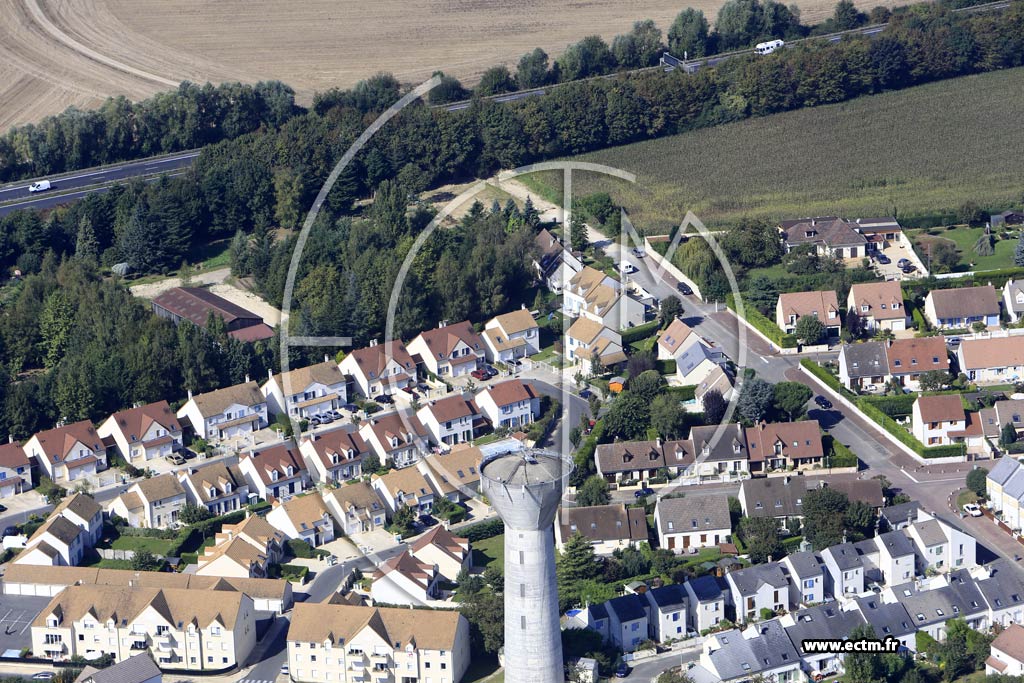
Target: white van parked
768, 47
39, 186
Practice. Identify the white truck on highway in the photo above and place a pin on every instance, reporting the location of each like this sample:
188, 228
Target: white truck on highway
39, 186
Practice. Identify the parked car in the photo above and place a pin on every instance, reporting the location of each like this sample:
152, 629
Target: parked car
823, 402
350, 407
972, 509
11, 531
175, 459
883, 259
284, 670
643, 493
491, 370
684, 289
43, 676
336, 414
326, 418
480, 374
586, 393
315, 421
384, 399
622, 671
626, 268
638, 252
902, 262
332, 560
909, 268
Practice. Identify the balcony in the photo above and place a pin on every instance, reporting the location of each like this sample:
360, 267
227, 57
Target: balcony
380, 657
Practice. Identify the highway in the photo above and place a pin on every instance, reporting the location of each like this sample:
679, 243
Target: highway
69, 187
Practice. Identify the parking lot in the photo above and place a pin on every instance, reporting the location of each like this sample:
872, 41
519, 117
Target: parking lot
17, 612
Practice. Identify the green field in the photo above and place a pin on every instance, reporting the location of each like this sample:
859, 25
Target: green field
920, 152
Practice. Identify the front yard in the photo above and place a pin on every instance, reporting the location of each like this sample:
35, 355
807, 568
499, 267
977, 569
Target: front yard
489, 552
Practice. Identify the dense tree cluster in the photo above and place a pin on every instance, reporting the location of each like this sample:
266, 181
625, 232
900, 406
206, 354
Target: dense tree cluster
189, 117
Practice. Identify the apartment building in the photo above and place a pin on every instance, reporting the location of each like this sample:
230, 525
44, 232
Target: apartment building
349, 643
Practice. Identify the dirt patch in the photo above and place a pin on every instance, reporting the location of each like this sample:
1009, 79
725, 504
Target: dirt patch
311, 45
215, 279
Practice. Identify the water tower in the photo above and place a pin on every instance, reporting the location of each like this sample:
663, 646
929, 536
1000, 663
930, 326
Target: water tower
525, 487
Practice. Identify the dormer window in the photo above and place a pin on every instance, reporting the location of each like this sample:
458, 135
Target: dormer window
291, 471
273, 475
227, 487
213, 492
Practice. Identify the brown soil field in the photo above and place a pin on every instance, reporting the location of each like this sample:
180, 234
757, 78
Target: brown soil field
57, 53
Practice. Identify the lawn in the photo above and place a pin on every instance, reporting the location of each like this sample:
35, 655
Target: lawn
490, 551
920, 153
157, 546
964, 238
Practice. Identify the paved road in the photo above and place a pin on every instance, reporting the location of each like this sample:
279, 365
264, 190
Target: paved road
72, 186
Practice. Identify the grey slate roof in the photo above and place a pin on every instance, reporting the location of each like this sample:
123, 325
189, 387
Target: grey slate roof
672, 596
739, 657
845, 556
1014, 486
132, 670
896, 543
692, 514
805, 564
960, 598
748, 580
733, 439
1015, 287
898, 514
1004, 586
823, 621
865, 360
598, 611
706, 588
628, 607
930, 532
887, 619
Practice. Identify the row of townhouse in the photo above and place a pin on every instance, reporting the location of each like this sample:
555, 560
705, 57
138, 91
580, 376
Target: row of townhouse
413, 576
737, 453
1004, 486
942, 420
596, 296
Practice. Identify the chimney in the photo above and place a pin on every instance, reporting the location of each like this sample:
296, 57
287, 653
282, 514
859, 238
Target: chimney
247, 378
442, 323
373, 342
658, 442
190, 394
10, 438
270, 374
327, 358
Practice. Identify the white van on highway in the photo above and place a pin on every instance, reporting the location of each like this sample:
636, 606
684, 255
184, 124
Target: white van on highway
39, 186
768, 47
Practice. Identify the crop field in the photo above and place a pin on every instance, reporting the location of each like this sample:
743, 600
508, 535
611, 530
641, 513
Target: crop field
920, 153
57, 53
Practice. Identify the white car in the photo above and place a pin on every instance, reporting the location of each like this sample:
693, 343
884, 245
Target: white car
39, 186
972, 509
626, 268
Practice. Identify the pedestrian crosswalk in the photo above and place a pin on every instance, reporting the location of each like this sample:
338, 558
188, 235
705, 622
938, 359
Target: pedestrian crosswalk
253, 680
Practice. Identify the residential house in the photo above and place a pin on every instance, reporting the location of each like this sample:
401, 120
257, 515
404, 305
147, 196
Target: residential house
404, 580
450, 420
243, 550
556, 265
757, 588
304, 392
601, 298
343, 642
276, 471
762, 650
84, 512
941, 420
398, 439
15, 470
824, 306
1002, 413
697, 362
218, 487
1003, 589
785, 446
940, 545
143, 433
448, 350
587, 340
675, 338
152, 503
185, 630
782, 497
844, 570
807, 578
996, 481
69, 453
1010, 217
196, 305
441, 548
334, 456
303, 518
628, 624
510, 336
827, 236
356, 508
638, 461
607, 527
899, 516
1013, 299
888, 619
1012, 498
822, 622
878, 306
724, 457
57, 542
931, 604
456, 472
864, 366
510, 404
667, 614
406, 487
229, 414
1007, 653
593, 617
688, 524
718, 380
380, 368
896, 558
139, 668
962, 307
992, 361
706, 603
908, 358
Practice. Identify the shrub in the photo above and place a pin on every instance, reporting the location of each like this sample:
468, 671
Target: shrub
481, 530
635, 334
299, 548
838, 453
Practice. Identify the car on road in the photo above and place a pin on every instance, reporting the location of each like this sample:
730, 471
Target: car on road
684, 289
823, 402
622, 671
972, 509
626, 268
384, 399
643, 493
883, 259
332, 560
40, 186
43, 676
284, 670
638, 252
480, 375
176, 459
